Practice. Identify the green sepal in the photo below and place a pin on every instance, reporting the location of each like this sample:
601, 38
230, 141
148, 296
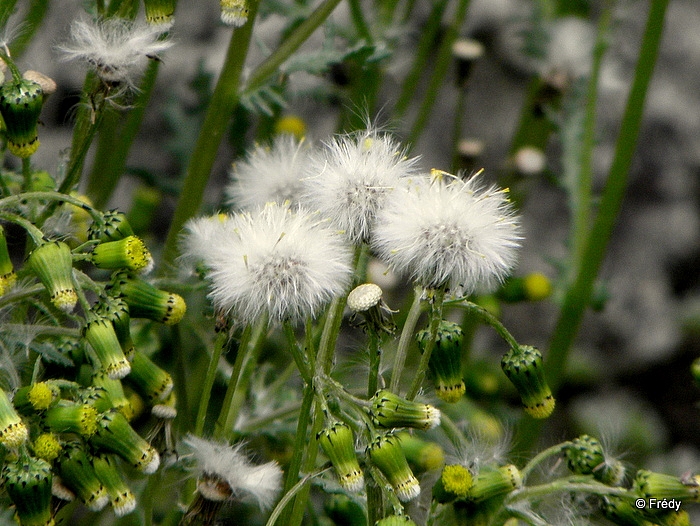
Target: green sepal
20, 105
129, 253
71, 417
493, 481
77, 473
390, 411
524, 368
386, 454
100, 334
148, 379
53, 265
338, 443
13, 432
146, 301
159, 12
445, 362
120, 495
113, 227
28, 484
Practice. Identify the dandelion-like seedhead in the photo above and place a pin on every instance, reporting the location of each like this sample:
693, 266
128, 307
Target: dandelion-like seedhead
230, 465
351, 177
269, 174
200, 234
279, 261
117, 49
445, 231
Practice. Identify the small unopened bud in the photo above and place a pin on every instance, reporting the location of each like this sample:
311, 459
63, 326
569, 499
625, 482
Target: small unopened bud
395, 520
445, 362
291, 124
120, 496
623, 512
148, 379
100, 334
113, 227
47, 446
13, 432
524, 368
389, 410
115, 435
533, 287
72, 417
53, 265
338, 443
129, 253
341, 509
385, 453
20, 105
493, 481
7, 270
160, 12
28, 484
660, 486
146, 301
585, 456
114, 392
77, 473
454, 483
234, 12
421, 454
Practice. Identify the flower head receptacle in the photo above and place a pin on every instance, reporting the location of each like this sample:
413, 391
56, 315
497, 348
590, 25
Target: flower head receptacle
13, 432
121, 497
585, 456
389, 410
454, 483
366, 299
493, 481
71, 417
524, 368
128, 253
386, 454
100, 334
445, 362
146, 301
338, 443
112, 227
115, 435
20, 105
53, 265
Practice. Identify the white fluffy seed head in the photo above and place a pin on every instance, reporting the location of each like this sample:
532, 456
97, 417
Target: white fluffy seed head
229, 465
363, 297
445, 231
269, 173
200, 235
116, 48
351, 177
278, 261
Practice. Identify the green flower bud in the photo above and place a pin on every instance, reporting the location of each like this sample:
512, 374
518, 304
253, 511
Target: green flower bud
494, 481
159, 12
113, 227
28, 484
116, 310
115, 435
149, 379
454, 483
395, 520
338, 443
524, 368
385, 453
622, 512
47, 447
144, 204
389, 410
585, 456
146, 301
128, 253
421, 454
234, 12
53, 265
100, 334
20, 106
445, 362
7, 270
36, 397
649, 485
114, 392
71, 417
341, 509
120, 496
41, 181
533, 287
13, 432
77, 473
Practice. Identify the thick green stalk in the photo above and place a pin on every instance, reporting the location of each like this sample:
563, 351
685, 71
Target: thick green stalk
221, 107
219, 344
578, 295
405, 340
442, 65
434, 323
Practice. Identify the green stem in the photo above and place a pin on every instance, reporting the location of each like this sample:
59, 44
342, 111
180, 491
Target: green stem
276, 416
251, 355
581, 220
572, 484
223, 102
409, 327
374, 361
435, 319
36, 234
219, 344
50, 196
542, 456
115, 141
235, 373
282, 504
442, 65
331, 328
300, 359
424, 51
27, 173
486, 317
271, 64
